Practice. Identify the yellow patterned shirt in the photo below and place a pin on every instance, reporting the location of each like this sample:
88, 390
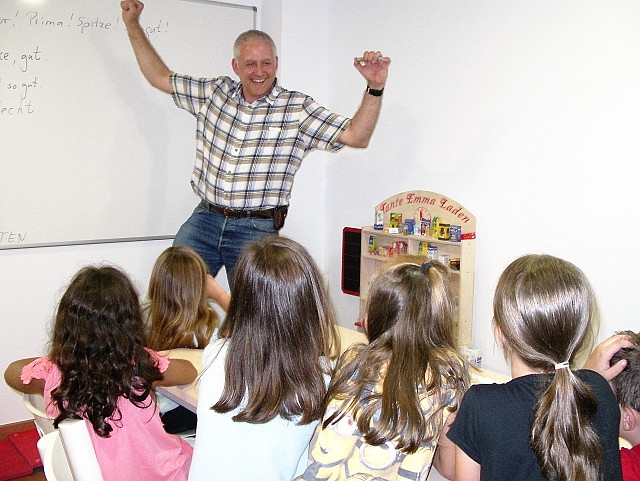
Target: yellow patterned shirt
340, 453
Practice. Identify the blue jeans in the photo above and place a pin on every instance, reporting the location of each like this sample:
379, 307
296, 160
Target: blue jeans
219, 239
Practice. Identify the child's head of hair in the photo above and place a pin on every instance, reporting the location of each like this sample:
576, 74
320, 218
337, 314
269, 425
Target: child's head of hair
280, 322
99, 310
411, 301
179, 309
411, 325
98, 344
626, 385
545, 310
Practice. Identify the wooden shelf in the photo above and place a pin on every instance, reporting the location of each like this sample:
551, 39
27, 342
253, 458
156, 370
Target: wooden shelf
419, 205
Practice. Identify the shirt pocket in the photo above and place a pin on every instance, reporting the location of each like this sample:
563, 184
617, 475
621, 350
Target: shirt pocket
274, 133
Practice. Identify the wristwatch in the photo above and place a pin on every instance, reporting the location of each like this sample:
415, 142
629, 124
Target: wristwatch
375, 92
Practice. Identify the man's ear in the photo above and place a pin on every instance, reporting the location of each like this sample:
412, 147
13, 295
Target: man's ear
234, 65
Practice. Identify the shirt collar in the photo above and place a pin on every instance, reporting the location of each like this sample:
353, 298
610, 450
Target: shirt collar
270, 98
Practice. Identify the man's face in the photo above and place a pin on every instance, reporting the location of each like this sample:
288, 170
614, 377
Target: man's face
256, 67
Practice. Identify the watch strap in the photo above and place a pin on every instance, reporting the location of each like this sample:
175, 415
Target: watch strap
375, 92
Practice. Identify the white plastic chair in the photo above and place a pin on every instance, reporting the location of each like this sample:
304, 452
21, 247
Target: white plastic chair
35, 404
79, 450
54, 459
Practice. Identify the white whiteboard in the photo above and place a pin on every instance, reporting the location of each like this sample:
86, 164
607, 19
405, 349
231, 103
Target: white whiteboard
89, 152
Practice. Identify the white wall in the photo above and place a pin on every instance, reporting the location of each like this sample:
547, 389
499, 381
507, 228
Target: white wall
303, 68
525, 112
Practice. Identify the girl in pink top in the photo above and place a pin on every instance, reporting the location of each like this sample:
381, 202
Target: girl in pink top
98, 369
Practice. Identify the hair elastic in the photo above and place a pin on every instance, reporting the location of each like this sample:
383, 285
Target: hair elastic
561, 365
424, 268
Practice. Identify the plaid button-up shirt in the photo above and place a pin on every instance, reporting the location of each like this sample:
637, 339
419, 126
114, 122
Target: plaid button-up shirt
247, 154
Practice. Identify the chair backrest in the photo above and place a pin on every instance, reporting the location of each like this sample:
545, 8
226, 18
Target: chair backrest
35, 405
54, 459
79, 448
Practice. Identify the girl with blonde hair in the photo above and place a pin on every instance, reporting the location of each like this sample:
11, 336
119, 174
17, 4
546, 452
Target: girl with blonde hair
179, 291
180, 316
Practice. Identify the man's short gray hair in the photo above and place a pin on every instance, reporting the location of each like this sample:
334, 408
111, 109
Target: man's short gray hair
253, 35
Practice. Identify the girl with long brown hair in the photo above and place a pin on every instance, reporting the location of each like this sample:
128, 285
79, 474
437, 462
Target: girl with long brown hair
389, 400
99, 370
264, 380
550, 422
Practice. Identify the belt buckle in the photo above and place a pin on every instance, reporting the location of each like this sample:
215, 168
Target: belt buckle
227, 212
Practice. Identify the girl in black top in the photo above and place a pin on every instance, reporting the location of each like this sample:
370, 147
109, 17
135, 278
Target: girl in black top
549, 422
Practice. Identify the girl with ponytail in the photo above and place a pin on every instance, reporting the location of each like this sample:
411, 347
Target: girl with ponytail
390, 400
550, 422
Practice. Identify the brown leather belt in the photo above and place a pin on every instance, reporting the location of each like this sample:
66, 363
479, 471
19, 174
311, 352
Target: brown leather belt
237, 214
